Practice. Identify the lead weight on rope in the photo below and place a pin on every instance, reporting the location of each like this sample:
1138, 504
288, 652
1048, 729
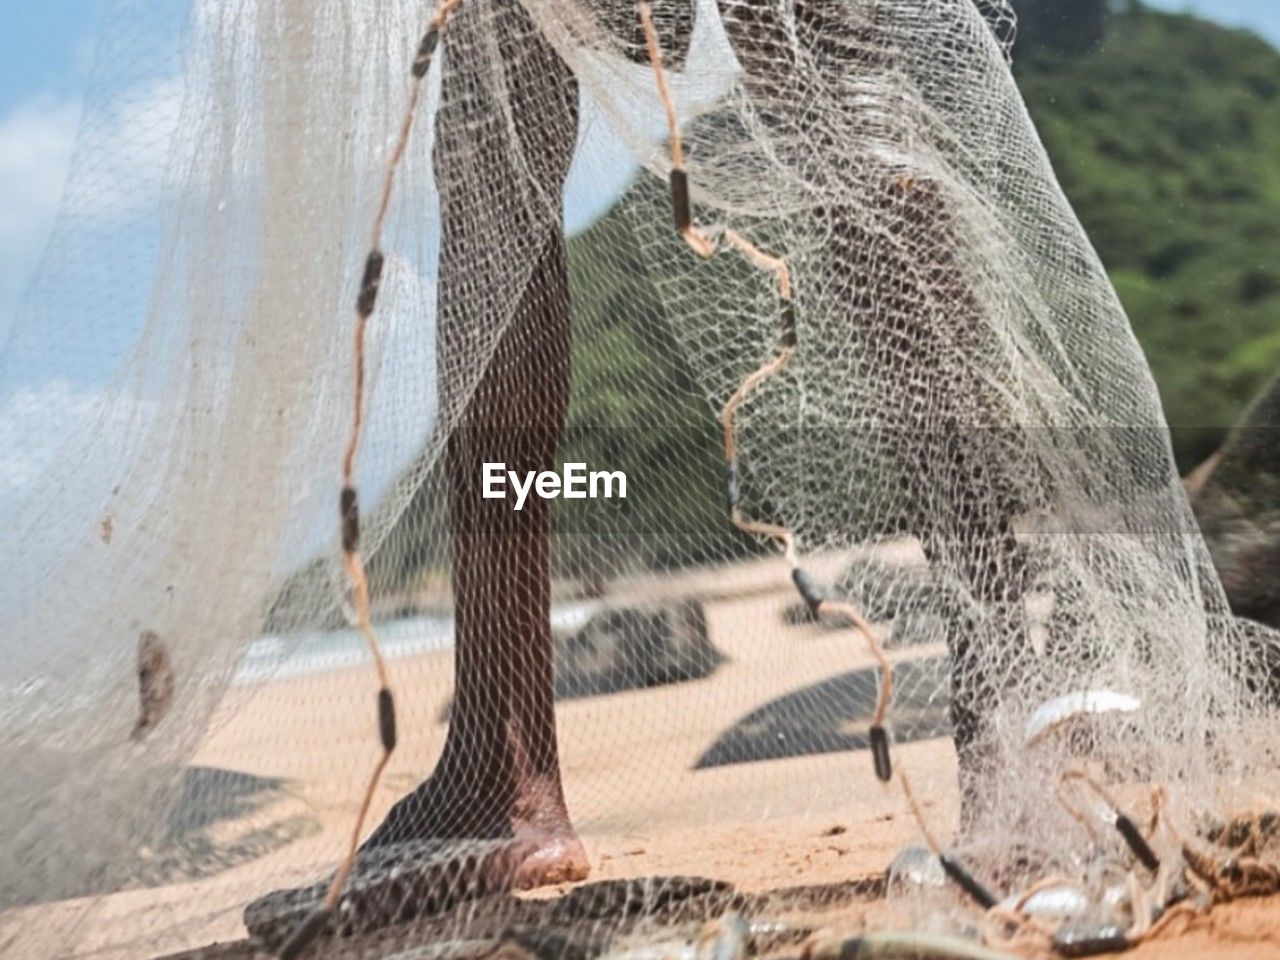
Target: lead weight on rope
880, 753
369, 284
808, 589
422, 62
350, 511
680, 200
788, 324
305, 934
965, 880
387, 719
1088, 941
732, 483
1137, 843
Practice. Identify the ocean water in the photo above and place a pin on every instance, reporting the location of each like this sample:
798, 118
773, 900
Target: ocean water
293, 655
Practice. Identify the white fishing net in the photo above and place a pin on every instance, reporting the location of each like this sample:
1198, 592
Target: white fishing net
933, 407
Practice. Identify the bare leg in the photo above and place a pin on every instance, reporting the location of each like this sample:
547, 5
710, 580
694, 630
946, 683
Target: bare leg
911, 306
499, 774
498, 777
492, 815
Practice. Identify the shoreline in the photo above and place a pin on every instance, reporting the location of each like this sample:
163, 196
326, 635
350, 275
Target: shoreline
429, 627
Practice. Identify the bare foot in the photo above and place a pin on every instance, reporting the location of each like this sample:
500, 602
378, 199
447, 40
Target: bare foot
525, 812
402, 881
434, 850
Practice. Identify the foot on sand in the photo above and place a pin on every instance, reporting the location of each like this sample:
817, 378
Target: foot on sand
435, 850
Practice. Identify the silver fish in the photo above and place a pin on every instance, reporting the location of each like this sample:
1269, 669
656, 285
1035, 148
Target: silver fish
1053, 714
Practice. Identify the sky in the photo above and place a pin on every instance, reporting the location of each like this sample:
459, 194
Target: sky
67, 397
46, 55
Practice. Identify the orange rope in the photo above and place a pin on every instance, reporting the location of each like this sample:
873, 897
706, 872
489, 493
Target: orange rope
778, 266
350, 524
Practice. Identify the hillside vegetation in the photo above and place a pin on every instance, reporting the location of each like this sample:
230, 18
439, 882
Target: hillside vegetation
1165, 136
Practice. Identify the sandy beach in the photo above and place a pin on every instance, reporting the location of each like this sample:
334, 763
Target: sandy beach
643, 794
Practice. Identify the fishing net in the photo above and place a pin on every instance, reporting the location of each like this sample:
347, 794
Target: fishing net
896, 477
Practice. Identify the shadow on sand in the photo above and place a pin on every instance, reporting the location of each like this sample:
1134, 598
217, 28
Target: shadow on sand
832, 716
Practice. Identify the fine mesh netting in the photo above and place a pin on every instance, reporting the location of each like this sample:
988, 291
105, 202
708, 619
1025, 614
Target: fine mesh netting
321, 261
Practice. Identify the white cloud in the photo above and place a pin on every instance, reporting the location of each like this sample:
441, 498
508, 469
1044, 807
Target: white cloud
36, 420
115, 170
36, 140
128, 148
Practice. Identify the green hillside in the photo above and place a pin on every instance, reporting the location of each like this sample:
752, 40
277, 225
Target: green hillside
1166, 138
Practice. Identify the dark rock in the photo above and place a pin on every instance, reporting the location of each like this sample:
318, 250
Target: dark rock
388, 884
626, 648
883, 591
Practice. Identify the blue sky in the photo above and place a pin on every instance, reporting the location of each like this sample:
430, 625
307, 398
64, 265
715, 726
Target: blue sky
46, 49
46, 53
1261, 16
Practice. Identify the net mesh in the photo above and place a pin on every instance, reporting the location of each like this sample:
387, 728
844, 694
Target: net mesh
875, 326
